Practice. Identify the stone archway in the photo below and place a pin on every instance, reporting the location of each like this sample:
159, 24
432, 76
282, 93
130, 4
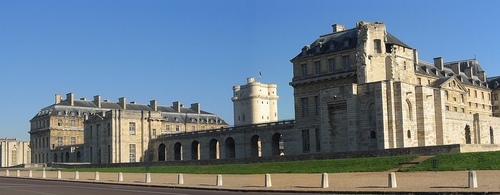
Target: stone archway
230, 148
178, 151
278, 145
214, 149
255, 146
195, 150
162, 153
67, 156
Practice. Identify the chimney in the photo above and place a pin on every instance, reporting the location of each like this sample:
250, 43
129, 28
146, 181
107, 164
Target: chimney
70, 99
58, 98
250, 80
438, 62
177, 106
97, 101
415, 56
338, 28
84, 99
133, 102
196, 107
482, 75
154, 105
123, 102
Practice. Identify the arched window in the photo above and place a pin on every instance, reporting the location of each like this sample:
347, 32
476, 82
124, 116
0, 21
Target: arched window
409, 110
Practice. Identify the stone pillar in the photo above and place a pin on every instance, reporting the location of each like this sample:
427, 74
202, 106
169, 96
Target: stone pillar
18, 173
96, 177
268, 180
148, 178
6, 172
219, 180
58, 174
324, 180
392, 180
472, 179
120, 176
44, 175
30, 174
180, 179
77, 175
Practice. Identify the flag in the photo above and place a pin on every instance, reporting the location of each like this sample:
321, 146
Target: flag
260, 74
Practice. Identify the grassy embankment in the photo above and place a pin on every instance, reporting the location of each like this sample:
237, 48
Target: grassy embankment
462, 161
311, 166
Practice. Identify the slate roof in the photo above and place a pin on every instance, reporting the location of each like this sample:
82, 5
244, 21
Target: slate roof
430, 69
494, 82
337, 39
86, 107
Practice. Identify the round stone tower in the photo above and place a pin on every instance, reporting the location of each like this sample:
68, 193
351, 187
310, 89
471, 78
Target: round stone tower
255, 103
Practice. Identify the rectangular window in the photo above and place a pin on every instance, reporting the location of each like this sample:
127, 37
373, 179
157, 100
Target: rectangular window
59, 123
73, 123
462, 97
377, 45
154, 133
131, 128
346, 62
59, 141
132, 152
318, 140
495, 97
73, 140
482, 95
193, 128
177, 128
90, 132
447, 108
167, 127
304, 70
316, 105
317, 67
463, 110
305, 141
305, 107
331, 65
419, 81
475, 93
455, 109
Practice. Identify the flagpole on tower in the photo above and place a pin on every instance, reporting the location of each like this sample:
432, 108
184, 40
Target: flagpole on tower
259, 74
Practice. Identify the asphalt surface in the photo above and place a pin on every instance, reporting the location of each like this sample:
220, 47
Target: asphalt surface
20, 186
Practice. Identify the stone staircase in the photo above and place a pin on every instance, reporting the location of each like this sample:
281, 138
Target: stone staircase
416, 160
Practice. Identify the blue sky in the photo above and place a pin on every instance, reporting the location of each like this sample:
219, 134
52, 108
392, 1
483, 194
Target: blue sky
195, 51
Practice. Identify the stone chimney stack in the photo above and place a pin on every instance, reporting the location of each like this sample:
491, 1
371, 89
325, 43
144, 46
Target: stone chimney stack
58, 98
250, 80
70, 99
415, 56
438, 62
177, 106
123, 102
338, 28
482, 75
154, 105
97, 100
196, 107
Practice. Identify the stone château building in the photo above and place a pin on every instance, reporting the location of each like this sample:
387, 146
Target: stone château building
57, 131
363, 89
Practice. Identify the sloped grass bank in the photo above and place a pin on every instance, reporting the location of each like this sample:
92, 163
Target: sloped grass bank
462, 162
311, 166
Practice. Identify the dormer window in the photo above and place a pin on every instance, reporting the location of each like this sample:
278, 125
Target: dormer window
346, 43
332, 46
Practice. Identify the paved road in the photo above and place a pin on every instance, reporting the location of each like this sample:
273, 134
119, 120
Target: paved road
16, 186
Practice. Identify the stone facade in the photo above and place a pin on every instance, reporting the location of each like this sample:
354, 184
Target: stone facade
363, 89
124, 135
255, 103
13, 152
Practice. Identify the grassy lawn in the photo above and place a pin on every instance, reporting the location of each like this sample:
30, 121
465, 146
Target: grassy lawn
463, 161
311, 166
